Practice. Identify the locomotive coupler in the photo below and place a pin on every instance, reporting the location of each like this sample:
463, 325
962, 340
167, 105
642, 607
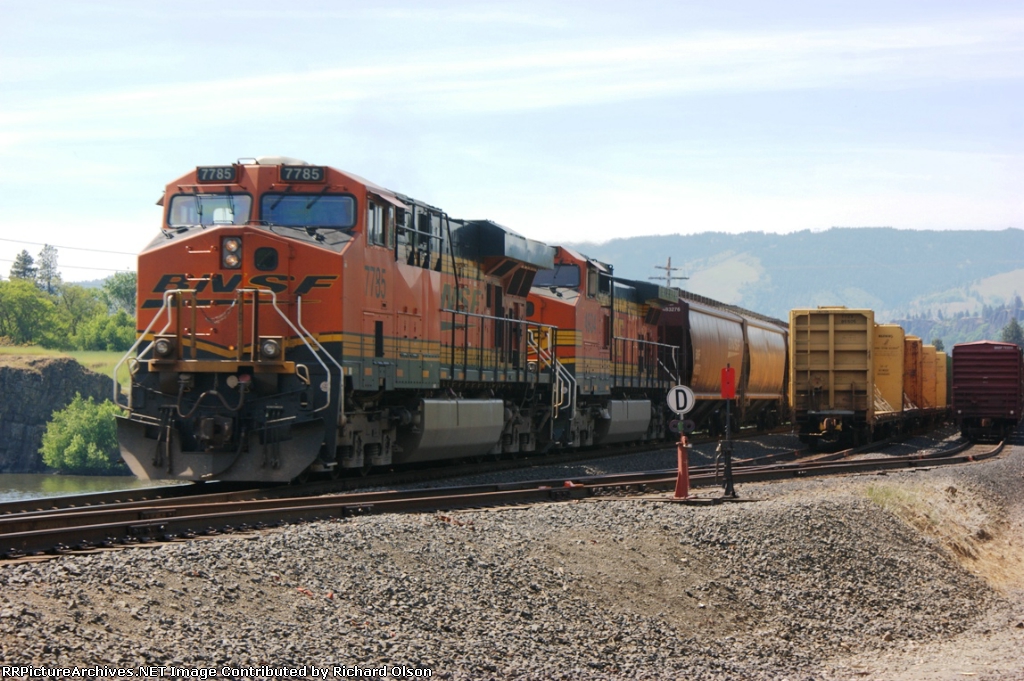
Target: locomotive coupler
215, 432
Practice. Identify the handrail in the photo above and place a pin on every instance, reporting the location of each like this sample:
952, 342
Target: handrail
341, 369
166, 300
302, 336
671, 350
301, 332
565, 382
506, 322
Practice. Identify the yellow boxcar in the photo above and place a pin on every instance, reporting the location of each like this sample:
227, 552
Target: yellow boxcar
831, 374
912, 373
888, 362
941, 383
928, 382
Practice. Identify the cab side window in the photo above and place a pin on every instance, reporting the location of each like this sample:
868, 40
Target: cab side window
389, 227
375, 224
591, 281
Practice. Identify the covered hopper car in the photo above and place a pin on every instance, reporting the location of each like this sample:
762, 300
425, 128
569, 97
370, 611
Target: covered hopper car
712, 336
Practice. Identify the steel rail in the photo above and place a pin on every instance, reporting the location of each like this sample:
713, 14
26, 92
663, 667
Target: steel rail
238, 491
109, 527
129, 510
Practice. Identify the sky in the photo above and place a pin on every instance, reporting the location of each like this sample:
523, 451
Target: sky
565, 121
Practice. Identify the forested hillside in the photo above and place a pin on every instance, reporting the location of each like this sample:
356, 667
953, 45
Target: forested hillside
987, 324
953, 280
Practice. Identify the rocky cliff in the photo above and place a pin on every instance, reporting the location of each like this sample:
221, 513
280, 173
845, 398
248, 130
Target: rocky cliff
31, 389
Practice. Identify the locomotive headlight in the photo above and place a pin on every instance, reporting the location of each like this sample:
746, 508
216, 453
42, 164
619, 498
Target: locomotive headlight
231, 250
270, 348
164, 346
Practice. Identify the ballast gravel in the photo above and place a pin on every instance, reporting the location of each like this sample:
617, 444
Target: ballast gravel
810, 579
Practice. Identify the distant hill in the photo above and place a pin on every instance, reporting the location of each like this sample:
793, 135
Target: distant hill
899, 274
91, 283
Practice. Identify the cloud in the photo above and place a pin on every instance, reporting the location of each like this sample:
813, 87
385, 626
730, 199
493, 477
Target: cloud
524, 77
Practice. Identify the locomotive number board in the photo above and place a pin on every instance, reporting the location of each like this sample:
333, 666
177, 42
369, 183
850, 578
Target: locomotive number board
215, 174
303, 174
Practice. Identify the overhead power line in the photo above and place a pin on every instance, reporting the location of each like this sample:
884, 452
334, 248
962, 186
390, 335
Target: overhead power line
82, 267
70, 248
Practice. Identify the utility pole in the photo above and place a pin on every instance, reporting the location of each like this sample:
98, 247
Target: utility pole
668, 273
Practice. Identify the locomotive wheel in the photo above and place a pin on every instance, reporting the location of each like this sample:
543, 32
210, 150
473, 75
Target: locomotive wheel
303, 477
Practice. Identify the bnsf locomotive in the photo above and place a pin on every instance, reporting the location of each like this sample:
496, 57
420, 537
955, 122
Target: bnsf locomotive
296, 318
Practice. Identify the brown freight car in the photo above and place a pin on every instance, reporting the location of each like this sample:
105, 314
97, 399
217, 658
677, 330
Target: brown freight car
988, 389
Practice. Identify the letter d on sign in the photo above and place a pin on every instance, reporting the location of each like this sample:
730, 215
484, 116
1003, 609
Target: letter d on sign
680, 399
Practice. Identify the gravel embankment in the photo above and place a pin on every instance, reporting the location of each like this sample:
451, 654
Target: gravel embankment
810, 579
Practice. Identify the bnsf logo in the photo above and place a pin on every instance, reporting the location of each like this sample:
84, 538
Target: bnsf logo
278, 283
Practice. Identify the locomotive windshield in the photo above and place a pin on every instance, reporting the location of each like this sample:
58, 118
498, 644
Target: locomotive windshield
209, 209
565, 276
309, 210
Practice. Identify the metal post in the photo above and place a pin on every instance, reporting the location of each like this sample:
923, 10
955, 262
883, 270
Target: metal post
683, 476
730, 490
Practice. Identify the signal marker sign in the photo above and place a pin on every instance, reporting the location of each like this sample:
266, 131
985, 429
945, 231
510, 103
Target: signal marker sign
680, 399
728, 382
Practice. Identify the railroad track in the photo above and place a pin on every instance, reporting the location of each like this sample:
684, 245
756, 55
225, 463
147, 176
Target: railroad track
143, 521
227, 491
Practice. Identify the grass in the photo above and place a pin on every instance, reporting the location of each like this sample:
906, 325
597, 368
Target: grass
964, 522
909, 504
101, 362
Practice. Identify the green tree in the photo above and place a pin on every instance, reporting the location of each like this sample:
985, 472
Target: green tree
82, 439
24, 267
1012, 333
116, 332
939, 345
47, 275
119, 291
27, 315
78, 304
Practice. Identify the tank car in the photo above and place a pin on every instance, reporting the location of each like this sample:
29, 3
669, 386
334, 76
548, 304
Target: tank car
294, 318
987, 389
712, 336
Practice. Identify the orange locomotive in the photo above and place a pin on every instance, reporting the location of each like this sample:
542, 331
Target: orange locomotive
296, 318
612, 375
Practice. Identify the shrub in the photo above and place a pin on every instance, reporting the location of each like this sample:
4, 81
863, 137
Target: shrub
82, 439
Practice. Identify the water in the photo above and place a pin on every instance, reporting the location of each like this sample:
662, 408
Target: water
18, 486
